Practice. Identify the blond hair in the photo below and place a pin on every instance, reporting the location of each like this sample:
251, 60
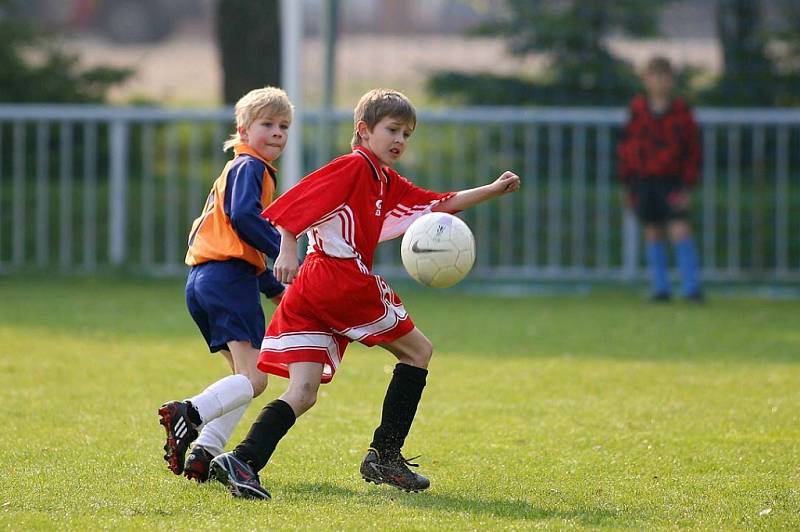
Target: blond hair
259, 103
376, 105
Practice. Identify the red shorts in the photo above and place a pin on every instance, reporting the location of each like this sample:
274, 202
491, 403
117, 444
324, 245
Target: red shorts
331, 303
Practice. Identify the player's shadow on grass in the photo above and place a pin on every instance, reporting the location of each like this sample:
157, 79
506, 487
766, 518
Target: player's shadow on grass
495, 507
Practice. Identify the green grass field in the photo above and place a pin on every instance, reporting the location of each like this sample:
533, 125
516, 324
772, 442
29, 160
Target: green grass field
585, 412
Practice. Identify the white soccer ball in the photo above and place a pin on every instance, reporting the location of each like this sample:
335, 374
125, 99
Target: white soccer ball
438, 250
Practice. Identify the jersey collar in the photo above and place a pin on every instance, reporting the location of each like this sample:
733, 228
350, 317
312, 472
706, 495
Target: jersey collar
244, 148
368, 153
376, 164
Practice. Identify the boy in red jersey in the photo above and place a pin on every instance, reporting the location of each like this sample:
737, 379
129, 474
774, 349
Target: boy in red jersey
227, 244
659, 163
348, 207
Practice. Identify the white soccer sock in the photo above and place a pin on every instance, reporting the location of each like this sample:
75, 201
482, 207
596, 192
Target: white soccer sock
223, 396
216, 433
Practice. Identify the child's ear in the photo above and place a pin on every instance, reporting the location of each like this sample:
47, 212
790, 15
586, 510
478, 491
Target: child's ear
362, 130
242, 132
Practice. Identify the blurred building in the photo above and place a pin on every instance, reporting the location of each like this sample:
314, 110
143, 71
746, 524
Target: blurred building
123, 21
374, 45
138, 21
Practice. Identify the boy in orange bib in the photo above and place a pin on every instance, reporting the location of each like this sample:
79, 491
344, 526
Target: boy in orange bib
227, 247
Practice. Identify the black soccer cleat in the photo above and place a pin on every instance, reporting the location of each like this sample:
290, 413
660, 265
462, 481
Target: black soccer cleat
394, 472
197, 464
180, 433
238, 477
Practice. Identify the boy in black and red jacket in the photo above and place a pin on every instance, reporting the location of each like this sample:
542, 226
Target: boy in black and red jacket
659, 159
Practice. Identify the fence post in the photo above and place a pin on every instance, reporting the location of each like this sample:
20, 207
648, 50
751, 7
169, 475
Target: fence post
18, 194
117, 192
630, 246
291, 14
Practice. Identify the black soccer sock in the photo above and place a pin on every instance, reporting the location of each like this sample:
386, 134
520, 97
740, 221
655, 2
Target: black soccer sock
399, 408
272, 424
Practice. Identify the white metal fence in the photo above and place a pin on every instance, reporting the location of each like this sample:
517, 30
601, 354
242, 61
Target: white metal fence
85, 188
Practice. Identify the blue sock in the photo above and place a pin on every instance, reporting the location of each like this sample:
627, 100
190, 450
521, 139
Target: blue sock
688, 265
657, 261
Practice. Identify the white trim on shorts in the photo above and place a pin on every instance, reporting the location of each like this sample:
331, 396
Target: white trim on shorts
295, 341
392, 315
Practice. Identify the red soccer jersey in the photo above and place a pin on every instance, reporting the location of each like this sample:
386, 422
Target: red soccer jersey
350, 205
660, 145
347, 207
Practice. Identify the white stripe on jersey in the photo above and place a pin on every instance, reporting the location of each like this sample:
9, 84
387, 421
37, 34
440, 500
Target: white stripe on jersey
398, 219
335, 236
391, 316
312, 232
402, 210
362, 266
329, 215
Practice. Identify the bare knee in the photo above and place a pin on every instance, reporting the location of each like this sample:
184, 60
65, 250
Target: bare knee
307, 396
308, 399
244, 358
652, 233
301, 397
426, 353
420, 356
680, 230
259, 382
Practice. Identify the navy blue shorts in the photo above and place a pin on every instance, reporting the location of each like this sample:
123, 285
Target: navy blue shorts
225, 302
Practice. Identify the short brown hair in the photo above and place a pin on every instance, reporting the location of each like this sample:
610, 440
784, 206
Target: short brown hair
376, 105
659, 65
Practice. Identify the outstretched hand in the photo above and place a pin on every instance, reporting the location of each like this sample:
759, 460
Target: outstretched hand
464, 199
508, 182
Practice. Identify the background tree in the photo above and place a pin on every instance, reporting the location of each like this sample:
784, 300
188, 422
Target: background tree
249, 39
572, 35
787, 63
747, 77
55, 76
760, 64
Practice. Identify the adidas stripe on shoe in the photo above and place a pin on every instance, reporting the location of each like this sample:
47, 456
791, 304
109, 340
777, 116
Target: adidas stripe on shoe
180, 433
